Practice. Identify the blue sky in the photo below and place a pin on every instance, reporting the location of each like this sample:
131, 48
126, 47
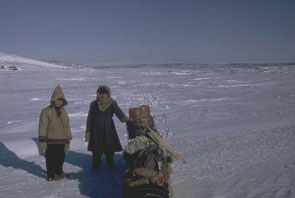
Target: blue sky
96, 31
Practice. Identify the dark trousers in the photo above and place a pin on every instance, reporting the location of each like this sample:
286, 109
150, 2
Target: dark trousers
55, 157
96, 158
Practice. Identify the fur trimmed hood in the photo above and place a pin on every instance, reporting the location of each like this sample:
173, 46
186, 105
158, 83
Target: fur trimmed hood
138, 143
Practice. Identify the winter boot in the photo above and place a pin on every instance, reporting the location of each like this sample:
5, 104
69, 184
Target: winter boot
58, 177
65, 175
50, 179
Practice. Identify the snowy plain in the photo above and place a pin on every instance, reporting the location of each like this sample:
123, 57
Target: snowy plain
233, 124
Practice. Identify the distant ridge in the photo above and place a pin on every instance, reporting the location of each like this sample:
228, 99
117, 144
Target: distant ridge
187, 65
67, 64
21, 63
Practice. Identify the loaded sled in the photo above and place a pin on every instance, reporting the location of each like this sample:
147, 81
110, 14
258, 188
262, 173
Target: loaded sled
148, 156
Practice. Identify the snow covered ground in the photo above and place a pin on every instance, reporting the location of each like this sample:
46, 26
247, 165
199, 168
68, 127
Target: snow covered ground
233, 123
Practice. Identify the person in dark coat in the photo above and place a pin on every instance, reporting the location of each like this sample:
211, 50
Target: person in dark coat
101, 133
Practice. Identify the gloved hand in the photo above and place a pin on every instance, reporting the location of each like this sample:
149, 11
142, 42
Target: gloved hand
126, 119
67, 148
130, 119
87, 136
43, 146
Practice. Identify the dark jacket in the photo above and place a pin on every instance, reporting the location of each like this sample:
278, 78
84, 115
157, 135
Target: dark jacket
100, 124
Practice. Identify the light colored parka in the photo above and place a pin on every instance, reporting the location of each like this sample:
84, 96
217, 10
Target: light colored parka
54, 129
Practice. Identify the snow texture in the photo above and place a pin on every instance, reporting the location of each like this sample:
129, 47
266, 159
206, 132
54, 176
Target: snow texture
233, 124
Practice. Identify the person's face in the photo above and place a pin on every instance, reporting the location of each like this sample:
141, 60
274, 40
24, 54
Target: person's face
58, 103
104, 96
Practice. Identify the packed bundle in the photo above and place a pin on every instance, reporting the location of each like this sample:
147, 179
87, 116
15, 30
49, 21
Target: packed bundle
148, 169
141, 119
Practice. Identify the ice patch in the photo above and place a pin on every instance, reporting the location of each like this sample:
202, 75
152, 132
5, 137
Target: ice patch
231, 80
113, 77
77, 130
166, 107
78, 115
71, 79
152, 84
204, 100
35, 99
215, 99
80, 102
190, 85
181, 73
16, 121
207, 78
121, 82
229, 86
152, 73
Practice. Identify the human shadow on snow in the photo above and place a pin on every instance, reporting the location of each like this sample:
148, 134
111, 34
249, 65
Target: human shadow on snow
95, 184
102, 183
10, 159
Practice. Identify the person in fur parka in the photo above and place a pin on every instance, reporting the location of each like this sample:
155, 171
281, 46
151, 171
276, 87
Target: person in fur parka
55, 134
100, 128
